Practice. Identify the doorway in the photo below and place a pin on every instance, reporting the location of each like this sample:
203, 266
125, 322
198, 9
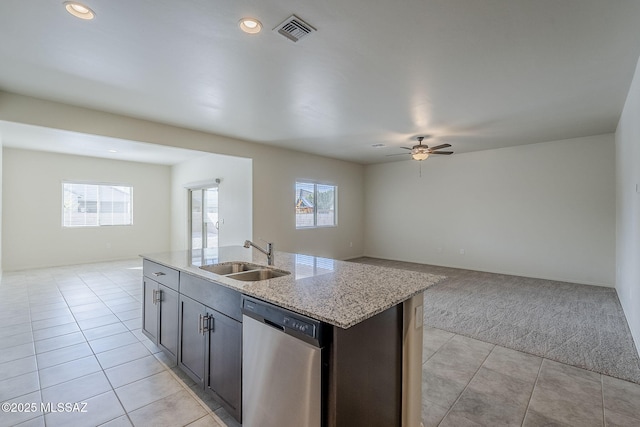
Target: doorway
204, 226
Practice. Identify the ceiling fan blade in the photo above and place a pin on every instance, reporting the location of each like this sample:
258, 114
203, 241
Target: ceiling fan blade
398, 154
441, 152
406, 148
437, 147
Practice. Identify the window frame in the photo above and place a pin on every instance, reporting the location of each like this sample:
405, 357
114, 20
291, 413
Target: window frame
315, 206
98, 184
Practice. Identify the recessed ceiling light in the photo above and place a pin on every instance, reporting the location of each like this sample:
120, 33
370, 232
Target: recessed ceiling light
79, 10
113, 151
250, 25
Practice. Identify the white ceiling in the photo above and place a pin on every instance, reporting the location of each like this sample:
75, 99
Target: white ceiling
478, 74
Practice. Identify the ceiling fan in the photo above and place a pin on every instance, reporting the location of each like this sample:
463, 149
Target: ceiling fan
422, 152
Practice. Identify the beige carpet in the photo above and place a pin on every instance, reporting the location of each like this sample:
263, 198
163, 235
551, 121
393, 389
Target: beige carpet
580, 325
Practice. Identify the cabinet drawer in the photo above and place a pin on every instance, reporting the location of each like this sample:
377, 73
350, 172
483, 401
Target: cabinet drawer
218, 297
161, 274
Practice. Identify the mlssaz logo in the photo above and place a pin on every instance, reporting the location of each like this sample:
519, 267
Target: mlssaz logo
63, 407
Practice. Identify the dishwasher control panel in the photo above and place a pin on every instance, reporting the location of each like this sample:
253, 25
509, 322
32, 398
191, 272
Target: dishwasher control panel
300, 326
280, 318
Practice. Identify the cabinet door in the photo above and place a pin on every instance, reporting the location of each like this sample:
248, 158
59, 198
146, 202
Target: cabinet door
225, 361
150, 309
191, 352
168, 318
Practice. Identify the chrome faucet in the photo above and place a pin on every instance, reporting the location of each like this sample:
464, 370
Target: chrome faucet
268, 252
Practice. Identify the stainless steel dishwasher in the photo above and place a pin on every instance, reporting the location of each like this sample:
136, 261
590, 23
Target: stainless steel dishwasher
282, 380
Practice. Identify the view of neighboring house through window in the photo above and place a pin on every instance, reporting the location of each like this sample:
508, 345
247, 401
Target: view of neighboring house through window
315, 205
93, 205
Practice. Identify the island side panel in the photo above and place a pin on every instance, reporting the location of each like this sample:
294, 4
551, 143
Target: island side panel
365, 373
413, 313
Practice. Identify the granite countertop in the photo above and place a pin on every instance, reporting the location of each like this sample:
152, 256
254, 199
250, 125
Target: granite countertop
340, 293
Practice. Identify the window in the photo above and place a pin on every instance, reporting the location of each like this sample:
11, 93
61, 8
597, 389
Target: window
94, 205
315, 205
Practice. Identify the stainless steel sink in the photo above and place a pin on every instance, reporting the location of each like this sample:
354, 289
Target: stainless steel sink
255, 275
244, 271
230, 267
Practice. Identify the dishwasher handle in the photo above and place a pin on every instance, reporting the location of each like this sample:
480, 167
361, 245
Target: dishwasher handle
273, 324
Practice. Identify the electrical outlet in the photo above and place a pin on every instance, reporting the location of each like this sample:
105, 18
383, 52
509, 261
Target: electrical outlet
350, 244
439, 250
461, 251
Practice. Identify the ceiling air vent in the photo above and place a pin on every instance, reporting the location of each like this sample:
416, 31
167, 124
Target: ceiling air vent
294, 28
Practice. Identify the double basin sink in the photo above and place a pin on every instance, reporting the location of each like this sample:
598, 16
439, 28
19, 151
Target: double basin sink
244, 271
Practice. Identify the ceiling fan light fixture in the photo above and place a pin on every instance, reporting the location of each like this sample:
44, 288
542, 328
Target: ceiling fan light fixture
420, 154
250, 25
79, 10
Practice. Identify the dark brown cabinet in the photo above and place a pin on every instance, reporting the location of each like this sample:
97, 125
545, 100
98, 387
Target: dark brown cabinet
210, 349
225, 361
149, 309
168, 321
160, 316
160, 307
191, 356
198, 323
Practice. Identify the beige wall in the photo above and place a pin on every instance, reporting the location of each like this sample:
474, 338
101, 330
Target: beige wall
234, 197
542, 210
628, 209
33, 235
1, 150
274, 198
274, 172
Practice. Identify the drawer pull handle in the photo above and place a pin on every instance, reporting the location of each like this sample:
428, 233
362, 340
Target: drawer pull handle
159, 273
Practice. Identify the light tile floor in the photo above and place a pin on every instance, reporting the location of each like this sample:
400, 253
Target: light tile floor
72, 334
466, 382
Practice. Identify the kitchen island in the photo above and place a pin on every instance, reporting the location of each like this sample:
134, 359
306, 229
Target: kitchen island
372, 315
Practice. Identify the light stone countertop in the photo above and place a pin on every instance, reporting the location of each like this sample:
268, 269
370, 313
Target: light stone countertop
340, 293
